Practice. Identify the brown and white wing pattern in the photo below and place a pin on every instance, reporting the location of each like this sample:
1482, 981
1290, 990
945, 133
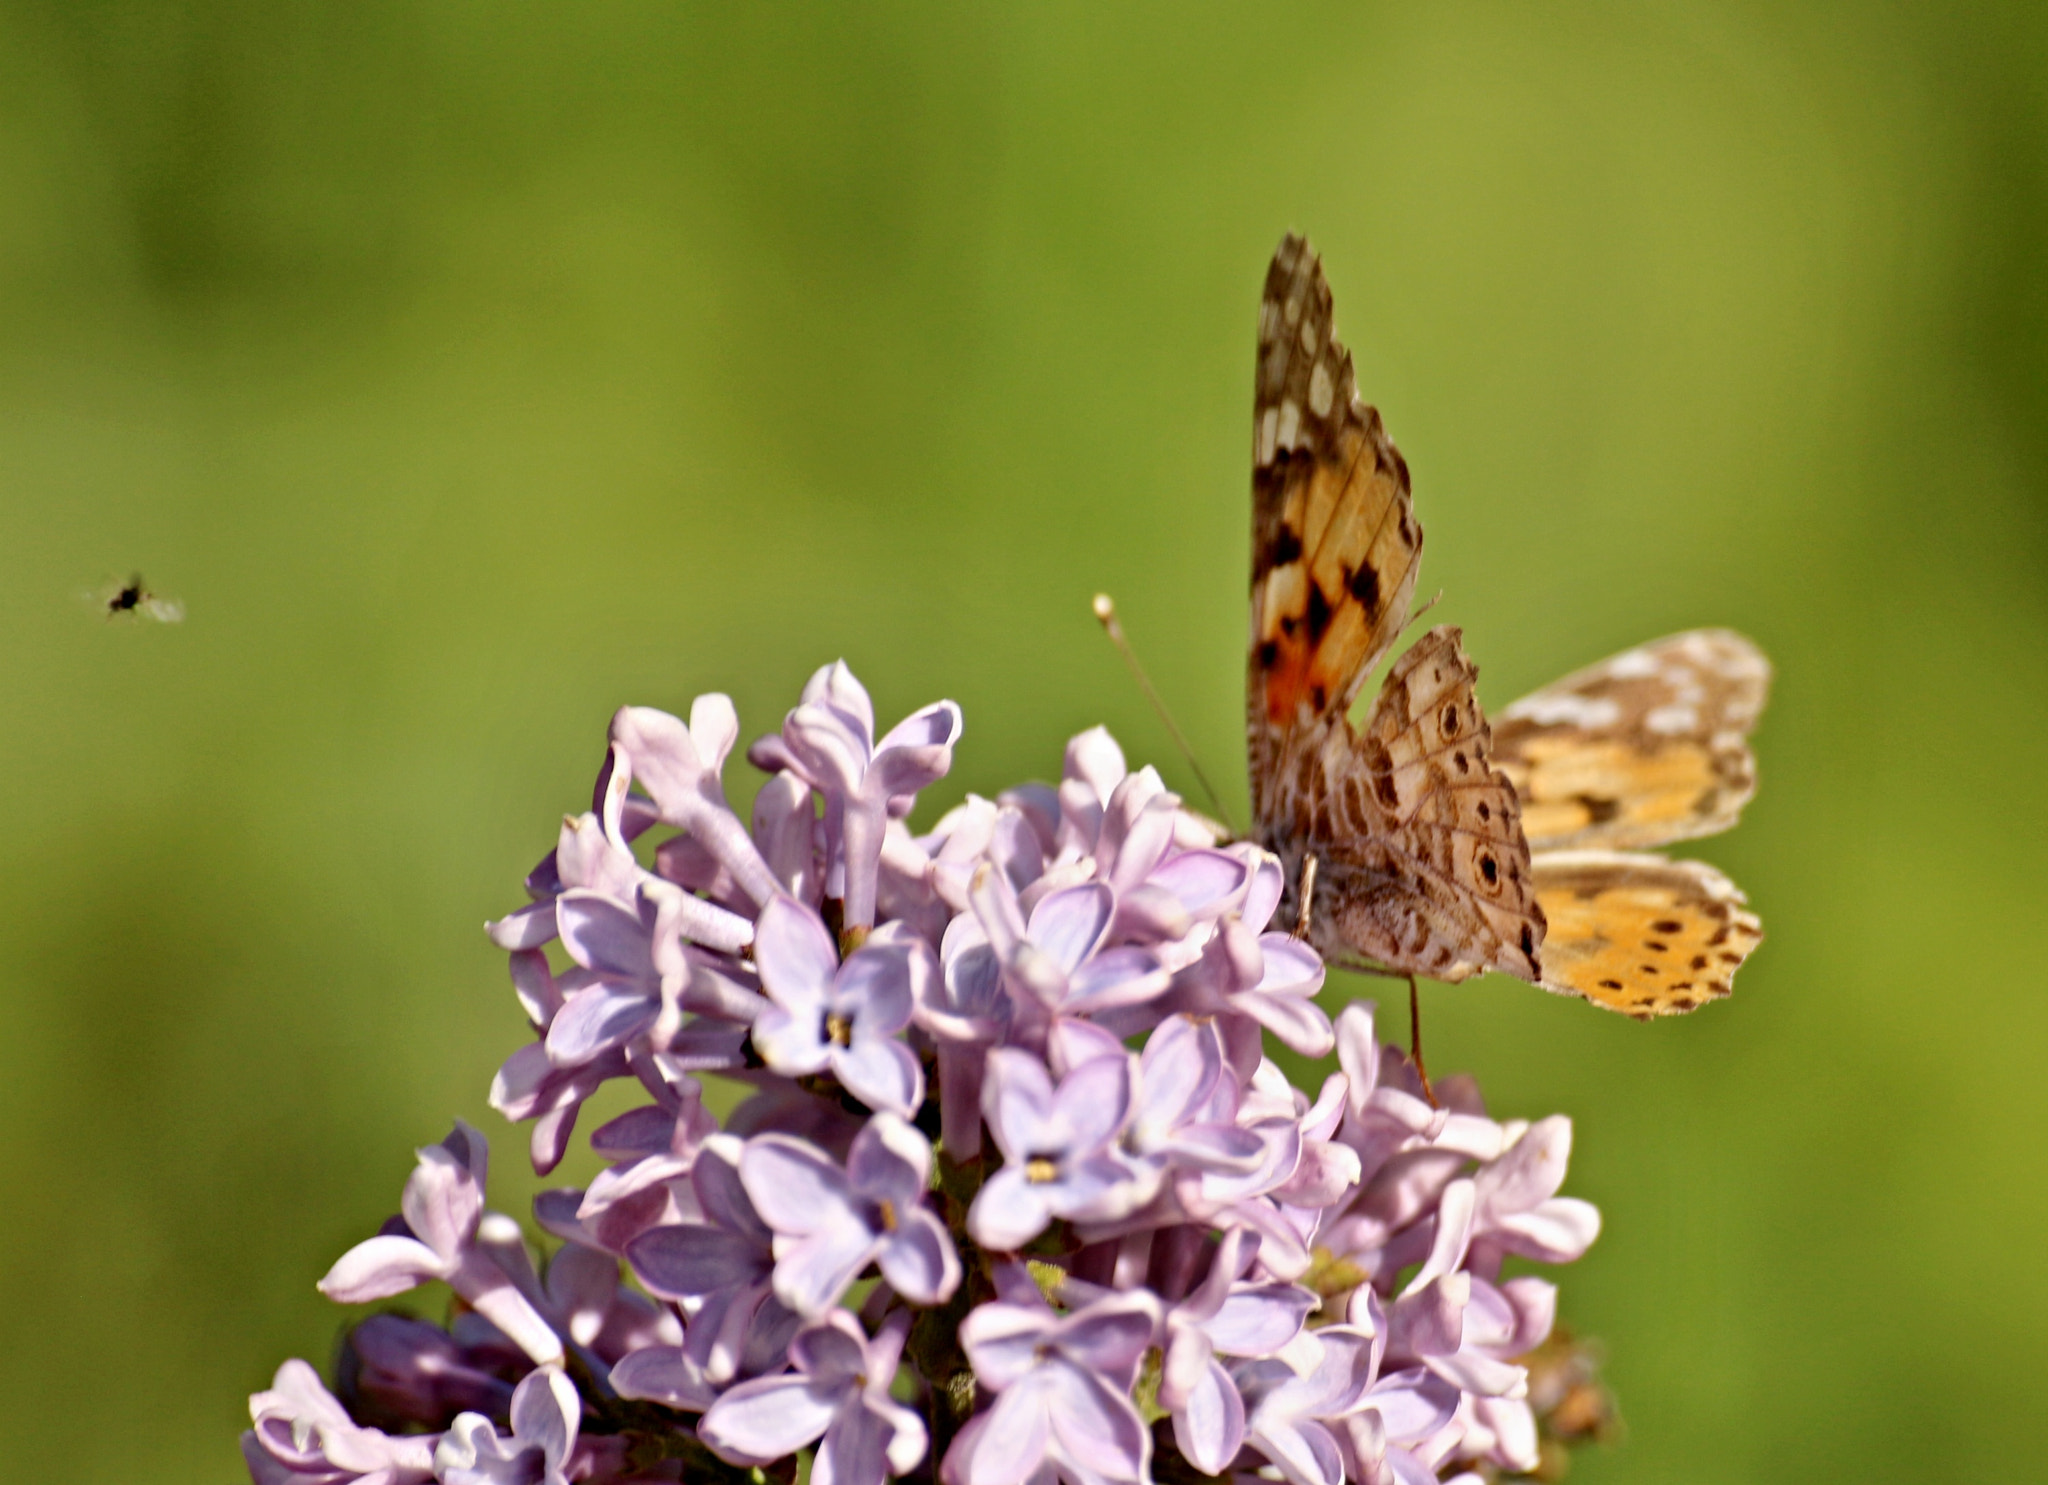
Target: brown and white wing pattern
1422, 865
1647, 747
1335, 545
1641, 934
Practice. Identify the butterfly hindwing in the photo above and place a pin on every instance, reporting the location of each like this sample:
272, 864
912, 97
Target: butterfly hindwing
1422, 865
1641, 934
1647, 747
1335, 544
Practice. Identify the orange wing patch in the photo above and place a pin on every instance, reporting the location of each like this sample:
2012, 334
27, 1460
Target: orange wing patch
1641, 934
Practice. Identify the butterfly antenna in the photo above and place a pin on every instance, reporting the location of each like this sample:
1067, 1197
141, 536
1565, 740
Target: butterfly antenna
1105, 613
1416, 617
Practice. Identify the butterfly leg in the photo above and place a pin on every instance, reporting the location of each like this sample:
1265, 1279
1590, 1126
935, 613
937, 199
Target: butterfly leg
1415, 1041
1304, 910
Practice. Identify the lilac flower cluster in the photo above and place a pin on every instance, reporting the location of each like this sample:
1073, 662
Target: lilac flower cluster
1014, 1193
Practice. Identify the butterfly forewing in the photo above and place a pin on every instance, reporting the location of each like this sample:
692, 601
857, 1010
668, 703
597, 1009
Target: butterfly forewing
1335, 545
1641, 934
1421, 863
1647, 747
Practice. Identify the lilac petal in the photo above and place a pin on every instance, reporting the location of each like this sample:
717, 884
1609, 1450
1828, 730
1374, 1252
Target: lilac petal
881, 1072
1017, 1098
686, 1260
1008, 1212
769, 1418
1096, 1426
784, 829
1300, 1024
442, 1202
918, 1259
379, 1268
534, 983
1117, 977
663, 1374
530, 927
889, 1160
832, 1348
795, 955
1093, 1100
855, 1450
1070, 924
1205, 882
1012, 1442
795, 1186
1412, 1404
604, 935
1210, 1428
546, 1412
1306, 1452
1531, 1170
1178, 1070
792, 1042
1291, 966
813, 1270
1558, 1231
1258, 1320
597, 1019
1003, 1339
715, 1179
874, 984
1111, 1335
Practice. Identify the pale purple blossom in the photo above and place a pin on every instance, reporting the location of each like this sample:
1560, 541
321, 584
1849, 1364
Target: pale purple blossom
1090, 976
1058, 1146
844, 1018
302, 1436
838, 1392
546, 1413
830, 1222
1061, 1385
444, 1236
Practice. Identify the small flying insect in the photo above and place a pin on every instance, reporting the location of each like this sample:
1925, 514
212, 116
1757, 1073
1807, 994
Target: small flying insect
131, 597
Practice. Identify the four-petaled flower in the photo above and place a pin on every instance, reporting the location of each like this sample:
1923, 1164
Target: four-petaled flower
842, 1017
831, 1222
839, 1391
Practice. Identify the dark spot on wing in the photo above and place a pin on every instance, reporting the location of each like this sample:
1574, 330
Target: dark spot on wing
1365, 587
1318, 613
1283, 548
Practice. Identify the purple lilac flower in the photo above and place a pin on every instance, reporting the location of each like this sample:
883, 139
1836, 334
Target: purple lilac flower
841, 1017
839, 1391
1057, 1146
302, 1436
1061, 1385
546, 1413
723, 1265
831, 1222
444, 1236
828, 741
1094, 978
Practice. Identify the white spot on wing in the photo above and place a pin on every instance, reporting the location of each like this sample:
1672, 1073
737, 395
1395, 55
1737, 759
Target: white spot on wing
1321, 390
1633, 665
1567, 710
1290, 424
1671, 720
1267, 442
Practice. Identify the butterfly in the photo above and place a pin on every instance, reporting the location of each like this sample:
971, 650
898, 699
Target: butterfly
1411, 835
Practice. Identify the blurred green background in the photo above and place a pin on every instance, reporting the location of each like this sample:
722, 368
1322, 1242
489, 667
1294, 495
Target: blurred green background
470, 370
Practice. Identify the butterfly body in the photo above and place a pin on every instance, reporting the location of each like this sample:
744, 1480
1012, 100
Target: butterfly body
1441, 846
